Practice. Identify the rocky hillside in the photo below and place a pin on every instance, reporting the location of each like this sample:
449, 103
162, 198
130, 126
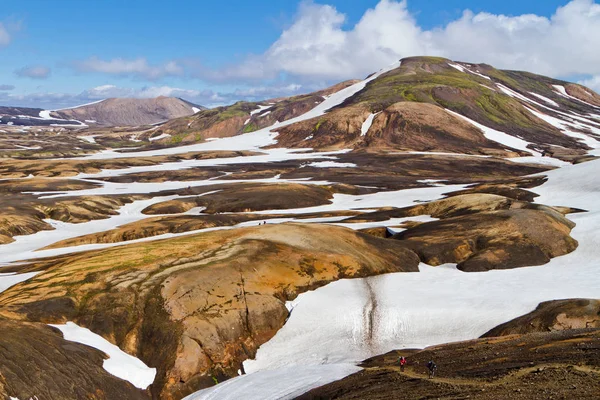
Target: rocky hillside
242, 117
557, 365
125, 111
416, 107
424, 104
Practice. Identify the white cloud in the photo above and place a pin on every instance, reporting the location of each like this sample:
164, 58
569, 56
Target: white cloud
593, 83
316, 45
135, 67
7, 87
33, 72
5, 37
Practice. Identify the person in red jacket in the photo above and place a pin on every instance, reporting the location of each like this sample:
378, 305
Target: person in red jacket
402, 362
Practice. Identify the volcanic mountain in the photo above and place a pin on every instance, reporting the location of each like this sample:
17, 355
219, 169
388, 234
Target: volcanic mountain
108, 112
422, 104
128, 111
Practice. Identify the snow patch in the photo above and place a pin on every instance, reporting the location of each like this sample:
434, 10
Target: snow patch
45, 114
161, 136
89, 139
547, 100
119, 363
11, 279
330, 164
367, 124
499, 137
196, 110
260, 109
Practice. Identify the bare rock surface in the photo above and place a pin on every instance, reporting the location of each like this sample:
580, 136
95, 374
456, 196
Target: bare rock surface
553, 316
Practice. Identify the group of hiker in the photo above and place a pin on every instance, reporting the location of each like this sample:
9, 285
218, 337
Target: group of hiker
431, 366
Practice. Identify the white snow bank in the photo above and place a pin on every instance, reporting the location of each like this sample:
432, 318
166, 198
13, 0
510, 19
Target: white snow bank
330, 164
196, 110
367, 124
161, 136
119, 363
547, 100
567, 128
260, 109
499, 137
11, 279
283, 384
465, 69
89, 139
45, 114
551, 161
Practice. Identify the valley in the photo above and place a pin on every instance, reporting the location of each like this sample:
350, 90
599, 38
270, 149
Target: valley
265, 250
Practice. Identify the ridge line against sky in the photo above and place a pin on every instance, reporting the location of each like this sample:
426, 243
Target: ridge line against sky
75, 52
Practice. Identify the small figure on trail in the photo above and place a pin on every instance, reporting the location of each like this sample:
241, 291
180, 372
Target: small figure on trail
431, 367
402, 362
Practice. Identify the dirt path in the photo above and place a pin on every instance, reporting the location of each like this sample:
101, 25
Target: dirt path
411, 373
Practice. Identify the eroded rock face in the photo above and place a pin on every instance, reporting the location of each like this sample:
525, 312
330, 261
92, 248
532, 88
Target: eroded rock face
199, 305
553, 316
37, 361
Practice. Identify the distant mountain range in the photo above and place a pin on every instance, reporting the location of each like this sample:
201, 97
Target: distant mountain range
108, 112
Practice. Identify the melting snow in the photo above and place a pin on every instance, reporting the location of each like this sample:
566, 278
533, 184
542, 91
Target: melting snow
330, 164
161, 136
260, 109
11, 279
499, 137
367, 124
547, 100
89, 139
119, 363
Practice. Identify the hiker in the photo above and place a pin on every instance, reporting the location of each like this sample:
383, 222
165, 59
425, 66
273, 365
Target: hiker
431, 367
402, 362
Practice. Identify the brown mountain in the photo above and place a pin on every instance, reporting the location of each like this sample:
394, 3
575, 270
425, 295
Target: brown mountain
128, 111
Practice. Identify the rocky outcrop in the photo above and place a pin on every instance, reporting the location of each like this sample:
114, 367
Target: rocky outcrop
36, 362
511, 238
199, 305
583, 93
553, 315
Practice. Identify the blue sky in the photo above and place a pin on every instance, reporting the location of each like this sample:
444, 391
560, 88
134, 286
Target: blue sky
61, 52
